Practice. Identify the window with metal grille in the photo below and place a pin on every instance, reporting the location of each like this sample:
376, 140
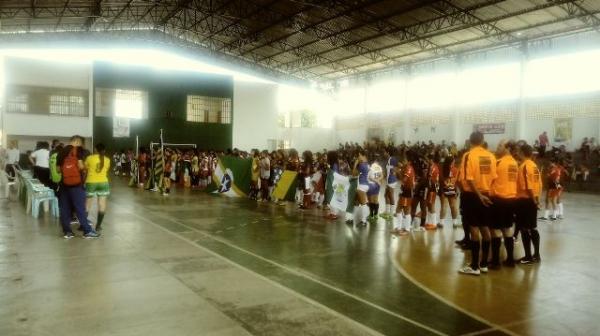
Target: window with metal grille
122, 103
208, 109
46, 100
67, 105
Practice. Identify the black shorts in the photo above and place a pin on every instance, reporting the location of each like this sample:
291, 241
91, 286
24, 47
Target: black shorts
526, 214
503, 212
420, 191
448, 192
474, 213
406, 193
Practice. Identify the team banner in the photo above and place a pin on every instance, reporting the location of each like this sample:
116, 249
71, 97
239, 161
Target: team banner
231, 177
491, 128
286, 183
340, 192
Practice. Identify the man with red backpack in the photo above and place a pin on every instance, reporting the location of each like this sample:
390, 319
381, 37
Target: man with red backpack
72, 195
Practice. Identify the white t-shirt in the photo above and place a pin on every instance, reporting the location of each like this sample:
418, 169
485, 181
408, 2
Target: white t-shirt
42, 157
13, 155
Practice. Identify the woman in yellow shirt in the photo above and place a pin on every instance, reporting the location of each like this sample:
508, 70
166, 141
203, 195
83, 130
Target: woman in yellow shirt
96, 182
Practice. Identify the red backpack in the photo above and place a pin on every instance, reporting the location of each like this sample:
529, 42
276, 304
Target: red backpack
71, 176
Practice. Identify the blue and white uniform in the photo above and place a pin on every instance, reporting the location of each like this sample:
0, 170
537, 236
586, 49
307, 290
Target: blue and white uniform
363, 176
390, 167
375, 174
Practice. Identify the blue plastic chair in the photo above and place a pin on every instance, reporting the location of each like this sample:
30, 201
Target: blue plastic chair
37, 193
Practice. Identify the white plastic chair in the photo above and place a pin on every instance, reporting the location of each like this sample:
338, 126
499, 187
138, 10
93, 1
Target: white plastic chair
6, 183
36, 195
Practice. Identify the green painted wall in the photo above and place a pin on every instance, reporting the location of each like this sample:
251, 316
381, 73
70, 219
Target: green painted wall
167, 105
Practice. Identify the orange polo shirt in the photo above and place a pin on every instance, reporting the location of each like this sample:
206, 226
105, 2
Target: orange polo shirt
480, 167
528, 178
505, 186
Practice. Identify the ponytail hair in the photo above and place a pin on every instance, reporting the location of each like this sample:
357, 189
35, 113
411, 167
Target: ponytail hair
101, 152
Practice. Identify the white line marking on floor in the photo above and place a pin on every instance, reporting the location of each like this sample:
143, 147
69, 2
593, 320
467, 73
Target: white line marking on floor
448, 302
298, 273
276, 284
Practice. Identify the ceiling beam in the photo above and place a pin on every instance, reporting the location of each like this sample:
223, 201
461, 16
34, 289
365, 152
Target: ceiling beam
501, 43
181, 5
425, 29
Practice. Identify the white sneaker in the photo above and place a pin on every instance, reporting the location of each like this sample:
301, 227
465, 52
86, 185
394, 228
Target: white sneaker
483, 269
468, 270
419, 229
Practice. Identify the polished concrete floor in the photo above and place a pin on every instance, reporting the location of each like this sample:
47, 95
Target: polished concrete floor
196, 264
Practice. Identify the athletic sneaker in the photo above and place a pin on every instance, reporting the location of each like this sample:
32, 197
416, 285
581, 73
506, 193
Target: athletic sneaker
526, 261
440, 226
536, 259
483, 269
456, 225
362, 223
91, 235
419, 229
552, 218
468, 270
68, 235
543, 218
560, 217
403, 232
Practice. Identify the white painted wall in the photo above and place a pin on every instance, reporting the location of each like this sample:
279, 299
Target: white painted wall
314, 139
21, 71
254, 114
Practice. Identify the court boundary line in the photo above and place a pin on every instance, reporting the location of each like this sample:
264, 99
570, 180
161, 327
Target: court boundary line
262, 277
295, 272
429, 291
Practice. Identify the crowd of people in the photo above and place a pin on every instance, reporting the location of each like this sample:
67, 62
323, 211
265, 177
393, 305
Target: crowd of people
77, 177
496, 194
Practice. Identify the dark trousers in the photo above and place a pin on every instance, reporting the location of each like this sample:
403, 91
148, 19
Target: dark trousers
72, 199
42, 174
10, 170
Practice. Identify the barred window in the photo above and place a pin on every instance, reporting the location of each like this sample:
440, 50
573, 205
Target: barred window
17, 103
46, 100
122, 103
208, 109
67, 105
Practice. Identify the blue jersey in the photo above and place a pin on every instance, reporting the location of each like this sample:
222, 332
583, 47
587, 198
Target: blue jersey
390, 169
335, 168
363, 173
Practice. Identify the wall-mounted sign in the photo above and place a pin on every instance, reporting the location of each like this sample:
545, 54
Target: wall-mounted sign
492, 128
120, 127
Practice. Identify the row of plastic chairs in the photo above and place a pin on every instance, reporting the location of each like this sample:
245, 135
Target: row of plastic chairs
34, 193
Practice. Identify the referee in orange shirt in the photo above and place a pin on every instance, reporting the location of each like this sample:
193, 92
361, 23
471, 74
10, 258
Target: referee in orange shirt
504, 197
529, 186
479, 170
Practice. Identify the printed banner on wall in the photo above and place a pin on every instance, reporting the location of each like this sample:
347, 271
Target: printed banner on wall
120, 127
491, 128
231, 177
563, 129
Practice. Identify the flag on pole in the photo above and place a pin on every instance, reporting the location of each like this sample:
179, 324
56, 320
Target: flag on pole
286, 182
340, 192
231, 177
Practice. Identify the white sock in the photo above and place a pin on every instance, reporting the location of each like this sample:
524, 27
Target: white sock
392, 208
555, 213
434, 219
365, 212
397, 220
407, 222
427, 218
454, 221
546, 212
560, 209
321, 199
388, 208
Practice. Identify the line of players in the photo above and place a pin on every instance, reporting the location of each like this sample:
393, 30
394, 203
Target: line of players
495, 191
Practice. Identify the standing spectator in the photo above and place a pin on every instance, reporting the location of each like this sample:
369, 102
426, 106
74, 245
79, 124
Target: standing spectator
96, 182
12, 158
72, 197
265, 174
544, 143
40, 159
